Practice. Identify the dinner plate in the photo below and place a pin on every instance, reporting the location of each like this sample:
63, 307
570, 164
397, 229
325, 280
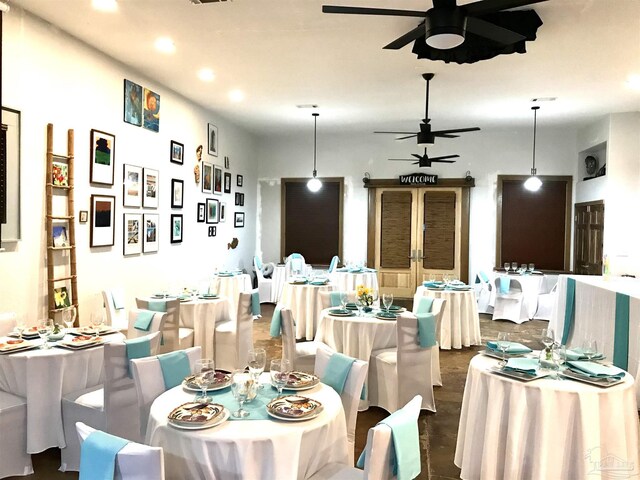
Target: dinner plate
341, 313
292, 419
294, 408
396, 309
498, 355
436, 288
81, 344
516, 375
382, 316
598, 382
301, 381
223, 380
90, 331
25, 335
217, 418
208, 296
17, 347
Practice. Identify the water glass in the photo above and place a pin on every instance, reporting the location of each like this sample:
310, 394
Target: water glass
69, 317
45, 327
590, 348
432, 277
344, 300
280, 369
257, 362
241, 386
547, 337
96, 322
387, 300
507, 266
205, 377
514, 266
503, 345
21, 325
532, 267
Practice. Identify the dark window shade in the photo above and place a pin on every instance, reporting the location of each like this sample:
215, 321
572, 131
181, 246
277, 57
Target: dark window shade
533, 226
312, 221
3, 174
440, 230
395, 234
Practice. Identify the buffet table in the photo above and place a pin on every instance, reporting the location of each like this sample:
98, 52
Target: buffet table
305, 304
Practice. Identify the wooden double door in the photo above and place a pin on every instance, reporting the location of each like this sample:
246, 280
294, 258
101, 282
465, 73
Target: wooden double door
419, 233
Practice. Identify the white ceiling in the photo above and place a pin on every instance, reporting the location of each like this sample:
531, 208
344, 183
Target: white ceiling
287, 52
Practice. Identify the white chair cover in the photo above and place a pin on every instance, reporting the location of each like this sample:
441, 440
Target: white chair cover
350, 395
325, 298
112, 407
14, 459
295, 265
546, 303
234, 338
157, 324
7, 323
149, 383
117, 318
510, 306
174, 336
302, 355
134, 461
264, 284
483, 294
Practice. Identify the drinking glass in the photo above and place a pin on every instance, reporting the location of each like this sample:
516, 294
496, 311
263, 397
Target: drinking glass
241, 384
432, 277
205, 377
375, 297
532, 267
69, 317
257, 362
503, 345
96, 321
280, 369
45, 327
507, 266
547, 337
590, 348
523, 267
387, 300
344, 300
514, 266
20, 325
445, 278
360, 304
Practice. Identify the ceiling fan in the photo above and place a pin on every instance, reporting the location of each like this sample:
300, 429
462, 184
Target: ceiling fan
446, 24
425, 160
426, 136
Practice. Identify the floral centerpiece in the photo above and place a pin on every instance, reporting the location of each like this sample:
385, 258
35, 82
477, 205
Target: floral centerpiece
365, 297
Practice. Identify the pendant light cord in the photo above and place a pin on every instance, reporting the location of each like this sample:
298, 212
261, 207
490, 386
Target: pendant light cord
315, 127
535, 123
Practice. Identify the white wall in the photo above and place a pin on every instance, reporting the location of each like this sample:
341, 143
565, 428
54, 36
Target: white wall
51, 77
485, 154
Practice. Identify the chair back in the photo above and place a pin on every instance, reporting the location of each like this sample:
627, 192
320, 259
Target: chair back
549, 282
134, 461
257, 266
325, 298
295, 265
171, 326
334, 264
8, 322
515, 287
149, 382
244, 329
157, 324
287, 326
116, 317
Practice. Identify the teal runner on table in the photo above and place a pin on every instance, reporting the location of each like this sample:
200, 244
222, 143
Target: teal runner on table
98, 455
569, 310
621, 332
257, 407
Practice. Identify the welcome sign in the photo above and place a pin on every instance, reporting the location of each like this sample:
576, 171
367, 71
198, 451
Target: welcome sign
419, 179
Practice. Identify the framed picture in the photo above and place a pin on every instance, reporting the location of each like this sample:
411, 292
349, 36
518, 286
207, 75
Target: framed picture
213, 139
207, 177
177, 193
150, 239
176, 228
227, 182
239, 180
132, 186
61, 297
226, 163
240, 199
60, 174
60, 238
201, 212
132, 103
223, 212
132, 241
177, 152
212, 231
151, 118
217, 180
103, 215
213, 210
84, 216
238, 220
102, 157
151, 183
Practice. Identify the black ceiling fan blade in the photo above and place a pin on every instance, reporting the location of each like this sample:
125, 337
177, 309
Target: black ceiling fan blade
400, 159
399, 133
372, 11
417, 156
492, 31
439, 133
490, 6
446, 135
444, 158
405, 39
408, 136
442, 161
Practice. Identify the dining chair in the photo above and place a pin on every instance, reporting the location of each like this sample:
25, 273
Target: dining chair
351, 393
174, 336
325, 298
510, 305
264, 284
149, 382
8, 323
114, 304
234, 337
295, 265
546, 303
156, 325
112, 406
377, 451
14, 459
483, 289
134, 462
302, 355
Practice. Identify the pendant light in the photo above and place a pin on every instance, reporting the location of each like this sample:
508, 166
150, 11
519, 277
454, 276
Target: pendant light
533, 183
314, 184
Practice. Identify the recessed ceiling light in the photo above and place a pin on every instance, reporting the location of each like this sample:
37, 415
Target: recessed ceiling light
633, 81
165, 45
236, 95
206, 74
307, 105
105, 5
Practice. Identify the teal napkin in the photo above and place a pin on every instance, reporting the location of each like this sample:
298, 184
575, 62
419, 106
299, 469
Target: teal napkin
276, 322
158, 305
333, 264
338, 368
118, 301
143, 320
255, 304
98, 456
426, 329
319, 282
525, 365
335, 299
424, 305
621, 332
175, 366
355, 270
432, 284
569, 310
514, 347
483, 276
137, 348
257, 407
596, 370
505, 284
578, 354
258, 262
343, 269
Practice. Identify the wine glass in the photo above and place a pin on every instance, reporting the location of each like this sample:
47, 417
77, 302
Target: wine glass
503, 345
360, 303
344, 300
532, 267
241, 384
514, 266
590, 348
432, 277
45, 327
20, 325
69, 317
375, 297
96, 322
507, 266
279, 370
205, 376
257, 362
387, 300
547, 337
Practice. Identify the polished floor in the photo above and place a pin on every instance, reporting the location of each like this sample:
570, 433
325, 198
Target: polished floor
437, 430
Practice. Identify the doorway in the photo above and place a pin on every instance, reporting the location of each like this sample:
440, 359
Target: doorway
588, 229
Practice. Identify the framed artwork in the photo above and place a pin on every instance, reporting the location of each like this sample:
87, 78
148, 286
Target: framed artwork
103, 215
177, 152
176, 228
102, 157
132, 241
177, 193
223, 212
201, 212
207, 177
151, 182
60, 238
61, 297
227, 182
150, 239
60, 174
84, 216
212, 137
151, 118
132, 186
212, 231
213, 210
226, 163
132, 103
239, 180
217, 180
240, 199
238, 220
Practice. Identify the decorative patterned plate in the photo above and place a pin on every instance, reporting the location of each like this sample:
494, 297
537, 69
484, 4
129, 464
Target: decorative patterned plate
90, 331
13, 346
223, 380
301, 381
294, 408
83, 341
194, 415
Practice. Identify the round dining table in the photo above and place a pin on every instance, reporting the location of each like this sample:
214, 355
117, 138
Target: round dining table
305, 304
230, 286
347, 281
545, 428
250, 448
201, 315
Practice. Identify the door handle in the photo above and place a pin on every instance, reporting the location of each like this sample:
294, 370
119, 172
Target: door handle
413, 255
420, 256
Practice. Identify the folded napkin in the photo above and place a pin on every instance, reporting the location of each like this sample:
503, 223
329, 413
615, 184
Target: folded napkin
335, 299
505, 284
276, 321
255, 304
351, 306
137, 348
578, 354
118, 299
343, 269
525, 365
385, 314
319, 282
596, 370
143, 320
514, 347
98, 456
426, 329
158, 305
338, 368
175, 366
432, 284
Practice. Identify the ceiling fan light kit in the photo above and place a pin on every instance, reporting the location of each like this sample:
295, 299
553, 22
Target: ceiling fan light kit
314, 184
445, 27
533, 183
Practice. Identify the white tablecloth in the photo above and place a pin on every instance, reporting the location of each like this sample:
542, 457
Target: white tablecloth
277, 282
346, 281
304, 302
202, 315
460, 325
43, 377
250, 449
230, 288
531, 286
545, 429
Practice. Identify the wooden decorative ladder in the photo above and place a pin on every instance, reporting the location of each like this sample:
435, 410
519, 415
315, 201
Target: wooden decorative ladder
68, 219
